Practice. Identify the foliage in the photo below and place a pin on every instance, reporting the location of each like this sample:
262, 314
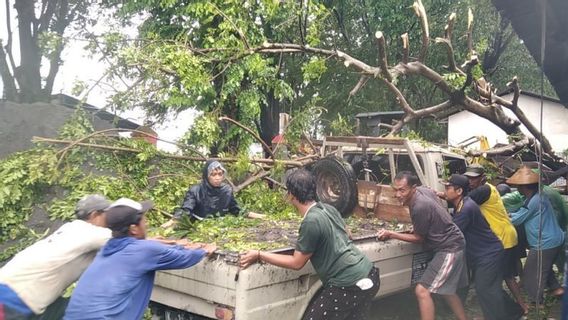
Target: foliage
340, 127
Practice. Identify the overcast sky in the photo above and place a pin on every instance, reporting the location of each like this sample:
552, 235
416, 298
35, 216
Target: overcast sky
78, 66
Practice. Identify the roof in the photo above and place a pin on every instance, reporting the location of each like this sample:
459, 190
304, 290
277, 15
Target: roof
381, 114
72, 103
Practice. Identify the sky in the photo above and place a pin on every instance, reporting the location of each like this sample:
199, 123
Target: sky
78, 66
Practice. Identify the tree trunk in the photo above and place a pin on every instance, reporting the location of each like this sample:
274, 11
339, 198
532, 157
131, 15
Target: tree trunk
28, 73
269, 119
9, 85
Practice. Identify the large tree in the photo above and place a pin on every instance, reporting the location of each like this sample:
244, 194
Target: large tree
41, 26
234, 58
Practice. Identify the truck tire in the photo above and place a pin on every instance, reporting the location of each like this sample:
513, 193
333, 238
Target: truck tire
336, 184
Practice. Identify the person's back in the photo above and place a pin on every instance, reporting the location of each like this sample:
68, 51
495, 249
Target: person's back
118, 284
481, 243
122, 276
491, 205
337, 261
40, 273
432, 221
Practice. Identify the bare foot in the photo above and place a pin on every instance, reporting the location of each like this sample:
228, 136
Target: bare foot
558, 292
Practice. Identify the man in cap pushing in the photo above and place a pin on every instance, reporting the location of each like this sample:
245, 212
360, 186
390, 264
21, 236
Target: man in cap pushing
484, 253
492, 208
39, 274
118, 284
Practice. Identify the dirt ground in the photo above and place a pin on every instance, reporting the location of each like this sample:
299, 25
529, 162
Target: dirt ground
404, 306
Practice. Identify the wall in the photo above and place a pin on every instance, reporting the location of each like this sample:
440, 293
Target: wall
463, 125
20, 122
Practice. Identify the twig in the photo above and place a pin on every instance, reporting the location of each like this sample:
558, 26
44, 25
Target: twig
239, 31
405, 47
290, 163
251, 180
264, 145
421, 13
470, 31
360, 84
381, 47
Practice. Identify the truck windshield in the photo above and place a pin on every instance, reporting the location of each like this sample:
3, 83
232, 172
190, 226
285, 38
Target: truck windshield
379, 165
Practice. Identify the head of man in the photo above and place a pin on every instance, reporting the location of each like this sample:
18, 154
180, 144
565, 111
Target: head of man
526, 181
476, 175
405, 183
91, 208
125, 217
301, 185
214, 172
456, 187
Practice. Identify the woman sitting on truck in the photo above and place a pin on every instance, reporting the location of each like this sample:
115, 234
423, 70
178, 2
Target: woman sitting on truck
210, 198
349, 278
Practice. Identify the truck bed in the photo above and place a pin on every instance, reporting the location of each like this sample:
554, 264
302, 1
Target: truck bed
262, 291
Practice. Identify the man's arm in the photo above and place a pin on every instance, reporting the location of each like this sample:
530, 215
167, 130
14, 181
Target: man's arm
166, 257
480, 194
295, 261
384, 234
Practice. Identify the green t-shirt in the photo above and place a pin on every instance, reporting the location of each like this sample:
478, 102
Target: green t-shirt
336, 260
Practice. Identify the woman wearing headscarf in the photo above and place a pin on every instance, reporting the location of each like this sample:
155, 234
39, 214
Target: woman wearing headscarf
210, 198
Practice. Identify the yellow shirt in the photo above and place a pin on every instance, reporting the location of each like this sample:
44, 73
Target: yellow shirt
496, 215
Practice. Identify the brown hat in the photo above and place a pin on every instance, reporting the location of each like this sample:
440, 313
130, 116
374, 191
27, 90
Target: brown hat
523, 176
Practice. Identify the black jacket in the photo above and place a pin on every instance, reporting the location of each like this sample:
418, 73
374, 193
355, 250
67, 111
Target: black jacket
203, 200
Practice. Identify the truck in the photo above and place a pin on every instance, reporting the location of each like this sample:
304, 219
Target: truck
353, 174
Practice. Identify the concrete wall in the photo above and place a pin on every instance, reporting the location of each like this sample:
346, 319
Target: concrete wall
465, 124
20, 122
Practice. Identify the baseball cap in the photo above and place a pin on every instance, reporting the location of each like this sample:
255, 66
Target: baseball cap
124, 212
474, 170
90, 203
457, 180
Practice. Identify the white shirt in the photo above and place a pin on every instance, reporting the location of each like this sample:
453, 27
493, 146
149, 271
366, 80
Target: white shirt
40, 273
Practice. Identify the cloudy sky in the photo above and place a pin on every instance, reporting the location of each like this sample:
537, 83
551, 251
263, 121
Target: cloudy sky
78, 66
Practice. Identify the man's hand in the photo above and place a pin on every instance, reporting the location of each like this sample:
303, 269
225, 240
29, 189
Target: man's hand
384, 234
169, 224
250, 257
209, 248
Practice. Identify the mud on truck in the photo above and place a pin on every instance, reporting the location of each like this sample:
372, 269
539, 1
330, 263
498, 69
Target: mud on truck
354, 175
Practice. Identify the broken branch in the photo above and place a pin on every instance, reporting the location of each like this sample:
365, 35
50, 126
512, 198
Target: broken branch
238, 124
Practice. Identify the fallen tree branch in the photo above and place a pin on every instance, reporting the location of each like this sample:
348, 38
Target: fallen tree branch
238, 124
250, 180
289, 163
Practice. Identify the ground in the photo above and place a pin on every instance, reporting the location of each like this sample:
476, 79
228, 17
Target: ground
404, 306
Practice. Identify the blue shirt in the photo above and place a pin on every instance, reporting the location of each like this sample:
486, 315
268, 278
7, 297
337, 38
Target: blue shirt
529, 215
118, 284
480, 242
10, 299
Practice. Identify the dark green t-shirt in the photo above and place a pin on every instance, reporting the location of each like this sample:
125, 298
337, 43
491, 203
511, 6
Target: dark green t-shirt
336, 260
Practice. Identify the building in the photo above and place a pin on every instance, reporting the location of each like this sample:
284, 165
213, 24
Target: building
464, 124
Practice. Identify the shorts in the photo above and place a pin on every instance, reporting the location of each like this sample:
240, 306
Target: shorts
446, 272
511, 262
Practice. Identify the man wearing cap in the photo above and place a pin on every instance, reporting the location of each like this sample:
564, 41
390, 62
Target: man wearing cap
39, 274
492, 208
544, 236
484, 253
118, 284
434, 228
210, 198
